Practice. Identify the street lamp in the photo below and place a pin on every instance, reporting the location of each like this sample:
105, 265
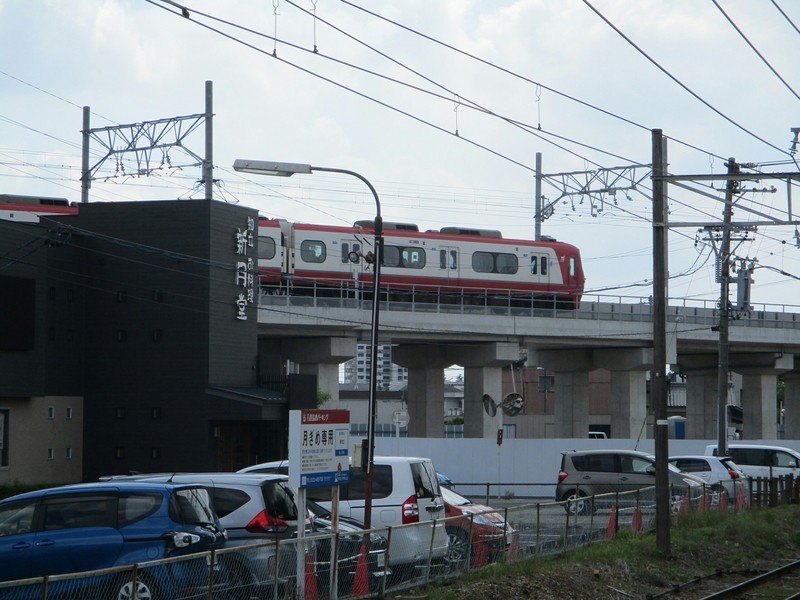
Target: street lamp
283, 169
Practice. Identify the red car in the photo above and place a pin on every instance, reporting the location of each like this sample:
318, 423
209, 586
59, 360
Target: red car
475, 530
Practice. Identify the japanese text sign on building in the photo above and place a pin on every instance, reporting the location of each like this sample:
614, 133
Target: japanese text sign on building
319, 447
245, 267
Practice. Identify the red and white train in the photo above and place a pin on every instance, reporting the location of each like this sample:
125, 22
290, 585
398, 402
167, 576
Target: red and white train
450, 262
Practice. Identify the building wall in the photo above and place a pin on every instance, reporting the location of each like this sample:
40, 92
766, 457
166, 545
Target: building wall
41, 433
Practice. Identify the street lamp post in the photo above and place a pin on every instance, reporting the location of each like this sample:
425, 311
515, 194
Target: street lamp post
283, 169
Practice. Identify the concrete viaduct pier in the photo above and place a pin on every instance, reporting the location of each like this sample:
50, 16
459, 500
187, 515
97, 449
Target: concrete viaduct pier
319, 333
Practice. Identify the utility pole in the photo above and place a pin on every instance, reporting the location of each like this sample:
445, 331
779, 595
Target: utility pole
658, 383
724, 311
537, 224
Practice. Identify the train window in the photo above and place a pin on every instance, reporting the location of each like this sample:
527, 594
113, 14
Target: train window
413, 258
572, 267
453, 259
534, 265
482, 262
544, 265
507, 264
391, 256
495, 262
312, 251
266, 247
407, 258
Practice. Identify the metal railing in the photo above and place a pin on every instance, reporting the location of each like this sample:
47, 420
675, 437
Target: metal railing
442, 548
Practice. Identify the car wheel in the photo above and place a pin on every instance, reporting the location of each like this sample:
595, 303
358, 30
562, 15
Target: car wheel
457, 548
577, 503
124, 588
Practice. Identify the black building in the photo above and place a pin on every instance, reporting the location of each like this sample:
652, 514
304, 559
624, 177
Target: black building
147, 311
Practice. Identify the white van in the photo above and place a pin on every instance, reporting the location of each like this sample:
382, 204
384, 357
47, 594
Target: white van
405, 491
759, 461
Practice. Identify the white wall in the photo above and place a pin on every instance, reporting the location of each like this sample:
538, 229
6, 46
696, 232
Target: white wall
517, 461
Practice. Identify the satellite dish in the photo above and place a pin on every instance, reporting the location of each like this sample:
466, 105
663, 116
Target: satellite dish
512, 404
489, 405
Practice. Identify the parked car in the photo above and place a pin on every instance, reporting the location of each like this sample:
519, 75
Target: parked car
86, 527
758, 461
586, 473
351, 540
444, 480
718, 472
470, 525
405, 492
254, 509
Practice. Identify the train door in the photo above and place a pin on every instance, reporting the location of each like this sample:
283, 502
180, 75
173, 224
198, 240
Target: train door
541, 268
448, 263
351, 258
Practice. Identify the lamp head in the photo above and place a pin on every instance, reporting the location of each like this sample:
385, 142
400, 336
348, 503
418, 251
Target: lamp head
266, 167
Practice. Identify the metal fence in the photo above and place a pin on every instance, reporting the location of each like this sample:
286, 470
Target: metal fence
370, 564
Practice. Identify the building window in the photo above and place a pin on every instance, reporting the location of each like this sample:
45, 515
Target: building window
158, 335
51, 412
155, 452
68, 454
51, 293
120, 412
4, 415
158, 296
122, 296
119, 452
69, 412
121, 335
155, 412
50, 454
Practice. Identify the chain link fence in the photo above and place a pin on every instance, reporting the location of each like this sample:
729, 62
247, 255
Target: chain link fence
330, 566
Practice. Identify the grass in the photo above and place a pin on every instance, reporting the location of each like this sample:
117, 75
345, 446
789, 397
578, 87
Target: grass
701, 544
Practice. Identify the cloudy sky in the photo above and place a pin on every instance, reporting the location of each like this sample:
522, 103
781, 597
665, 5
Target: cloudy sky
441, 104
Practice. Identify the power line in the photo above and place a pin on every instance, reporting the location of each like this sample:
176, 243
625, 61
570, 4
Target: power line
680, 83
753, 48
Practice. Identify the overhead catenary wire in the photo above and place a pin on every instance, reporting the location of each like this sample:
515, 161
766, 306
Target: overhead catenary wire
754, 49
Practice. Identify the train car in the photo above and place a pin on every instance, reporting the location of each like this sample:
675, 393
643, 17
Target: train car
271, 251
451, 263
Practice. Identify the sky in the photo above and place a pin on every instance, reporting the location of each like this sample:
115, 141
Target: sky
442, 105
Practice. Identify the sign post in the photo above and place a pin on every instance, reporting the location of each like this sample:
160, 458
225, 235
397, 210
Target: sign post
319, 456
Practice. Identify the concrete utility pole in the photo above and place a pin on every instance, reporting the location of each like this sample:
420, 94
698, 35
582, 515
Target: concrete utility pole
658, 382
724, 311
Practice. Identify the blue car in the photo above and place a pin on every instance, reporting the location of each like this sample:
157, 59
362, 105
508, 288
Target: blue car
86, 527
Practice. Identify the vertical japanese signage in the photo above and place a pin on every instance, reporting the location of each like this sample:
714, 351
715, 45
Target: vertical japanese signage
245, 267
319, 447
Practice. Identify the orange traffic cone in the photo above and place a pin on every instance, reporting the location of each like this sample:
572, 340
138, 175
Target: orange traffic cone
361, 582
481, 555
311, 592
723, 500
611, 532
636, 521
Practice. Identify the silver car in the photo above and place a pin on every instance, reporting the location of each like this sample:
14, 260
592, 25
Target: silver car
587, 473
718, 472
